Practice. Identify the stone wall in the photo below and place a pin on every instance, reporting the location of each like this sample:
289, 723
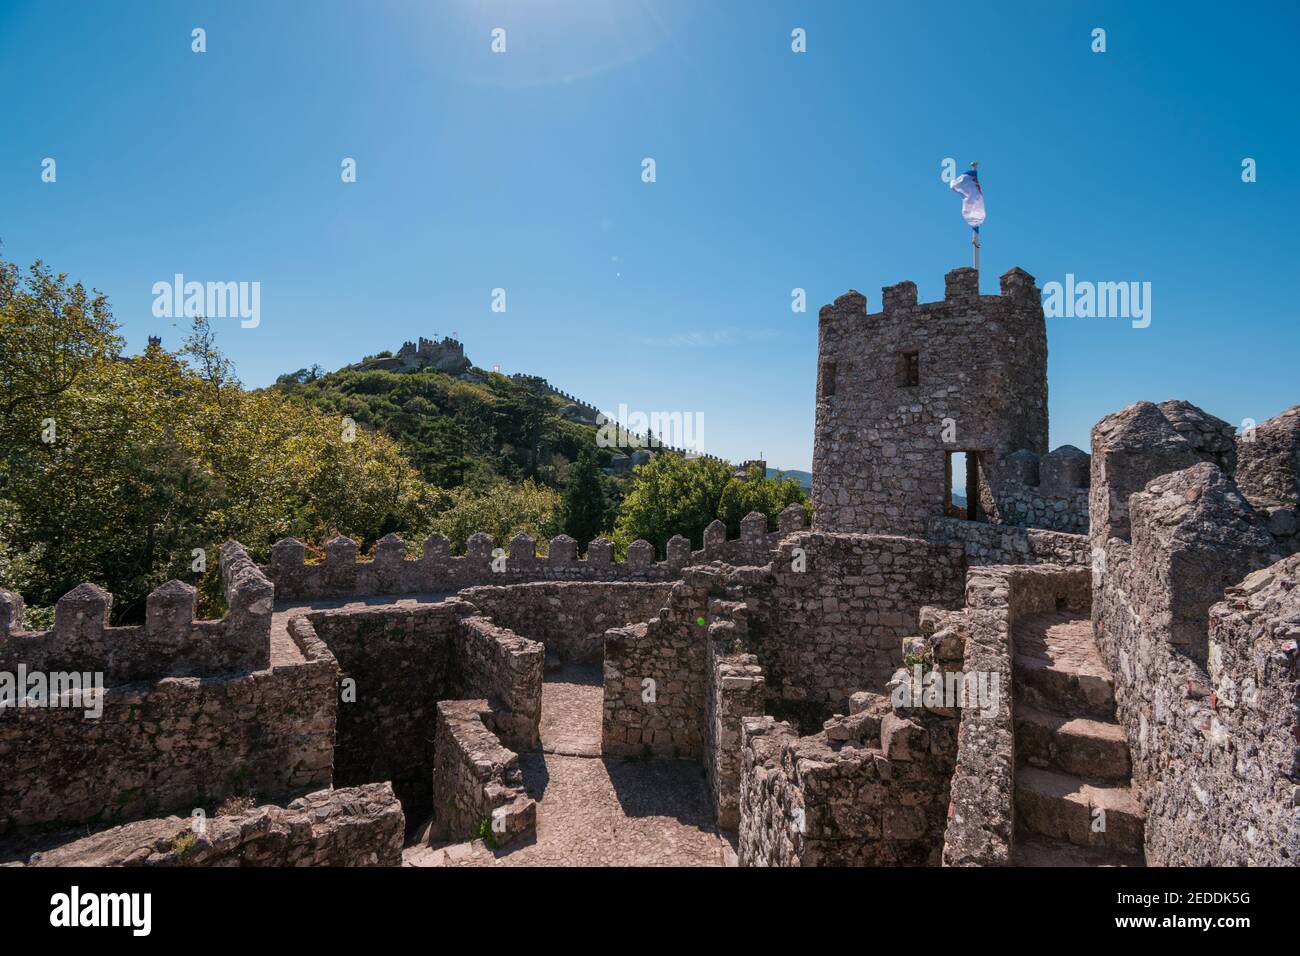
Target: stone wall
496, 663
359, 826
736, 690
1144, 441
1199, 624
1214, 749
835, 627
655, 675
798, 638
980, 828
437, 571
172, 745
569, 617
870, 790
397, 661
477, 783
170, 642
1005, 544
880, 454
404, 660
1268, 473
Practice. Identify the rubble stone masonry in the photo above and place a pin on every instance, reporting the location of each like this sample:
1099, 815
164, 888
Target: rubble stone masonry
836, 626
895, 385
980, 826
404, 660
476, 780
168, 741
1199, 622
358, 826
569, 617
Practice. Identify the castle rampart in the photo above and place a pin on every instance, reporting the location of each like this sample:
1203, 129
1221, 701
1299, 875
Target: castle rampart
192, 711
1197, 617
437, 571
170, 643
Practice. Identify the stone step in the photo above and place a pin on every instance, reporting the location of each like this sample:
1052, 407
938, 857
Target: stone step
1061, 806
1062, 692
1033, 850
1051, 687
1057, 668
1094, 749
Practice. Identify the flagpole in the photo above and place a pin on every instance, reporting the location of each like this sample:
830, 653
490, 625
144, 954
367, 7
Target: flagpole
975, 230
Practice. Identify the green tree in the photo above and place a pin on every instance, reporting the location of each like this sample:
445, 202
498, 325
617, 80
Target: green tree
758, 493
502, 510
117, 469
584, 509
671, 495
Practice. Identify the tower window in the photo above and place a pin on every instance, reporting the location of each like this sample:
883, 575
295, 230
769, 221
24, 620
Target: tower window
828, 379
909, 369
962, 468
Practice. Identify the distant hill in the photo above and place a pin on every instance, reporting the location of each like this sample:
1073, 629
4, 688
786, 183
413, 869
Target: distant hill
467, 426
803, 477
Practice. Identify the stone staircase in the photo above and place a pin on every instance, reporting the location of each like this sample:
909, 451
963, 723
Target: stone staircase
1073, 799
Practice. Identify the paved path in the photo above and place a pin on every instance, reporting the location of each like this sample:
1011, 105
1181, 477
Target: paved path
572, 701
593, 811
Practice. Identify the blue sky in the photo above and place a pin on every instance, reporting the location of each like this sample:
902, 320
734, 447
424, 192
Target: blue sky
775, 170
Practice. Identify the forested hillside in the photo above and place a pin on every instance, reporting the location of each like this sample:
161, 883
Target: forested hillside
127, 471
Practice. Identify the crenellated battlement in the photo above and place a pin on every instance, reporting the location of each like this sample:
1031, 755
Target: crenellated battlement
171, 642
191, 712
341, 574
960, 286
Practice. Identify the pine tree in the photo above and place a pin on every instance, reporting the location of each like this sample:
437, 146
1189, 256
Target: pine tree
584, 507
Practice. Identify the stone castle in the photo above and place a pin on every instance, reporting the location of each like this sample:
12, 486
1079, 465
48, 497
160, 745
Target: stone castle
1096, 663
447, 355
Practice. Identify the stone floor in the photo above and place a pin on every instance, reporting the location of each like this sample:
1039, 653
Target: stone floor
593, 811
572, 701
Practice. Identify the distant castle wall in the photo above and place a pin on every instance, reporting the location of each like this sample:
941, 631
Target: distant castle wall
392, 572
445, 355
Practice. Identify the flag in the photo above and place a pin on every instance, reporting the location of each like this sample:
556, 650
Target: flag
972, 197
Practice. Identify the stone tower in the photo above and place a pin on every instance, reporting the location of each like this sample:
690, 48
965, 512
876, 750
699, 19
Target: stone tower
899, 391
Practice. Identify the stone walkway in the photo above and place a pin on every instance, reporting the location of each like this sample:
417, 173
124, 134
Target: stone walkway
572, 701
285, 651
593, 811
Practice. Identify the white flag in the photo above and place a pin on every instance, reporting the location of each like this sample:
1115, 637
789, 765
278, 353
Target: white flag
972, 198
